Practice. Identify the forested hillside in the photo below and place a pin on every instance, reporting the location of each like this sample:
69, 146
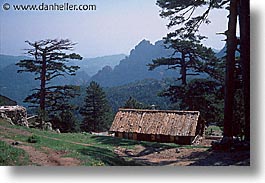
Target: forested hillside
145, 92
6, 101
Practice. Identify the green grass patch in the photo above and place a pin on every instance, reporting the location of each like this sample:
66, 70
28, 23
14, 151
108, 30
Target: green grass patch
91, 150
213, 130
11, 156
33, 139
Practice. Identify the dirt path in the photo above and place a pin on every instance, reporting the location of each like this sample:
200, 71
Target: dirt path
46, 157
184, 157
43, 157
15, 131
142, 155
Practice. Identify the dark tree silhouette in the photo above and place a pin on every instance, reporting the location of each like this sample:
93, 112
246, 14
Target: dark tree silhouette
48, 61
191, 57
96, 110
244, 23
182, 13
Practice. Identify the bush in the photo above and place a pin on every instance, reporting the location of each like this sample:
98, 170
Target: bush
33, 139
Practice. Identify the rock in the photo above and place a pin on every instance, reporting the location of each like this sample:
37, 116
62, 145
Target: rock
33, 121
47, 126
128, 152
15, 143
177, 150
58, 131
3, 116
16, 115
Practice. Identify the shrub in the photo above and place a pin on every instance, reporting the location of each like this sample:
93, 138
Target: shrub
33, 139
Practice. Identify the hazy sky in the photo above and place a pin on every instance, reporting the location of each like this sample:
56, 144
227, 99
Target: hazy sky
115, 27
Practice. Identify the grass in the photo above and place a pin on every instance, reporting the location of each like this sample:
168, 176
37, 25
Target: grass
213, 130
12, 156
91, 150
33, 139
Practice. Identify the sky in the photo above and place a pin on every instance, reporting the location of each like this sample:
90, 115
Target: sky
115, 27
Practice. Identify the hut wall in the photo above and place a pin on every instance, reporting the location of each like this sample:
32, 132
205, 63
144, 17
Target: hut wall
200, 129
182, 140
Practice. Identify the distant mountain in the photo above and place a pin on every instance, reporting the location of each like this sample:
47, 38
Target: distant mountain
92, 65
222, 53
6, 60
19, 85
215, 50
145, 91
16, 86
134, 67
4, 101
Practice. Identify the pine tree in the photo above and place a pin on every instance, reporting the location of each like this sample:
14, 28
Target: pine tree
96, 110
199, 94
60, 108
183, 13
132, 103
191, 57
48, 60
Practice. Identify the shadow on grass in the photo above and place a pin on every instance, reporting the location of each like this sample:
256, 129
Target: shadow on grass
149, 147
205, 158
212, 158
113, 141
107, 157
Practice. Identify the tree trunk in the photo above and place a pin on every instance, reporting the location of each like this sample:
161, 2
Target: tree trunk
183, 69
230, 68
43, 82
244, 22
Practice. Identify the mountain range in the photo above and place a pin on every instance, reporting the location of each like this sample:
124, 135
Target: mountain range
108, 71
92, 65
18, 85
134, 67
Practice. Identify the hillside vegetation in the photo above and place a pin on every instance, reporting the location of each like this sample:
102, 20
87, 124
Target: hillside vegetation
24, 146
57, 149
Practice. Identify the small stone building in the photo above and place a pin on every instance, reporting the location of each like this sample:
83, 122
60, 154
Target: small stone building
181, 127
16, 115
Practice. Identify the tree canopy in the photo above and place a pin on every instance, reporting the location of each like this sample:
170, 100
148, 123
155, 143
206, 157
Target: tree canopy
48, 60
184, 18
96, 110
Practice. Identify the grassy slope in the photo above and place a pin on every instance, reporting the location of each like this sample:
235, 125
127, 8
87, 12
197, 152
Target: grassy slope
12, 156
91, 150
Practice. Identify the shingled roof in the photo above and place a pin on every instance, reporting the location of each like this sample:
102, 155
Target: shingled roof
166, 122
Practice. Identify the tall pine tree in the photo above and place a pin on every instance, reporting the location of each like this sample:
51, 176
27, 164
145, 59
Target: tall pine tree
183, 13
48, 60
96, 110
191, 57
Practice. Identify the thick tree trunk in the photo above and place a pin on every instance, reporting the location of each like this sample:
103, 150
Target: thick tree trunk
244, 22
43, 83
230, 68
